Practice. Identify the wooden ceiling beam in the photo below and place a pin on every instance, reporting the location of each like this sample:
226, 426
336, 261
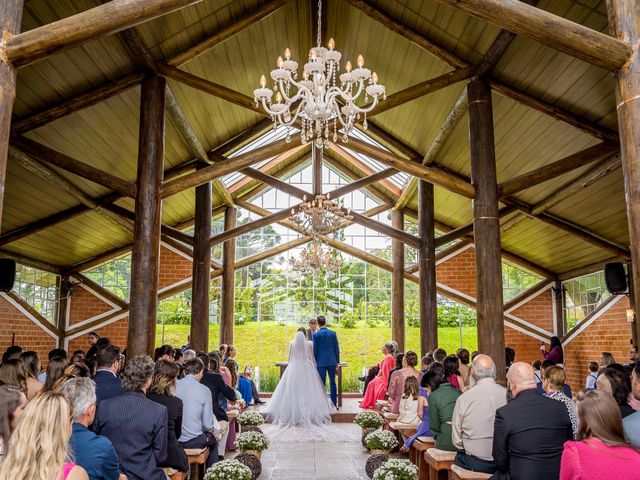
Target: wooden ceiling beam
276, 183
557, 168
395, 233
32, 262
165, 229
258, 257
551, 30
107, 19
250, 226
467, 229
83, 170
375, 189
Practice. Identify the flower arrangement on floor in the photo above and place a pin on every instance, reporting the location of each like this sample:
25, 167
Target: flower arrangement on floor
252, 462
250, 418
374, 462
369, 419
228, 470
381, 441
397, 469
252, 442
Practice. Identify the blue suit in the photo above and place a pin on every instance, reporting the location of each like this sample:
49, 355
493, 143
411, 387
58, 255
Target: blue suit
326, 351
107, 385
94, 453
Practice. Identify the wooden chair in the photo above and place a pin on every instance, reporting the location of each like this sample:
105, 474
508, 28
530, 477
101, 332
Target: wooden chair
174, 474
416, 454
197, 457
439, 462
459, 473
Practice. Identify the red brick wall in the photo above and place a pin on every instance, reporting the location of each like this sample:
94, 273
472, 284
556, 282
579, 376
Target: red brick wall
527, 348
459, 272
84, 305
28, 335
116, 332
609, 333
538, 310
173, 268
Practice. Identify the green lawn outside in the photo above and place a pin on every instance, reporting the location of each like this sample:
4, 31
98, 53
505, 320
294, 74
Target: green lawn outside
264, 343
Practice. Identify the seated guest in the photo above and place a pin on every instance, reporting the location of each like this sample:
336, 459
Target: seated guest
136, 426
166, 352
537, 365
38, 448
430, 382
399, 356
631, 422
377, 388
408, 411
555, 353
32, 366
13, 372
442, 401
590, 382
244, 386
12, 404
248, 374
108, 384
12, 351
452, 372
463, 358
187, 346
426, 361
92, 452
601, 450
398, 378
162, 391
612, 381
474, 416
223, 353
439, 355
566, 389
219, 390
56, 352
553, 379
606, 359
55, 371
529, 431
510, 356
199, 425
189, 355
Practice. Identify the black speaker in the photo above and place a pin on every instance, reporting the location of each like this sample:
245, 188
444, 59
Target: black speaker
615, 278
7, 274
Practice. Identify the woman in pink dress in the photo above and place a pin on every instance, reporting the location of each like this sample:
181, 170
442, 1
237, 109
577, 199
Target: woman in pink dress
601, 450
377, 388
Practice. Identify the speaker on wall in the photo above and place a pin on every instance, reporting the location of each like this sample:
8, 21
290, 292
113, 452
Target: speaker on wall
615, 277
7, 274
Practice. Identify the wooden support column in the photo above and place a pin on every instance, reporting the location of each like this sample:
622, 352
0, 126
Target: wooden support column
63, 306
10, 20
146, 235
201, 269
558, 299
316, 161
427, 291
624, 23
486, 224
397, 282
228, 279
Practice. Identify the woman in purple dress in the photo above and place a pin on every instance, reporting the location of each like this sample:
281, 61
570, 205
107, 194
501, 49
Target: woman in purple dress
555, 353
430, 381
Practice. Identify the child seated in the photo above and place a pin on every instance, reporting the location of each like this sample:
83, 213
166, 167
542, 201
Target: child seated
409, 402
590, 383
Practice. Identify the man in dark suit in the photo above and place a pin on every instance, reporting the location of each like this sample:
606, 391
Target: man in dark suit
313, 328
326, 351
136, 426
107, 382
529, 431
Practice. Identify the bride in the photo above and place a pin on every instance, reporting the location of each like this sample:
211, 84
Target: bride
300, 399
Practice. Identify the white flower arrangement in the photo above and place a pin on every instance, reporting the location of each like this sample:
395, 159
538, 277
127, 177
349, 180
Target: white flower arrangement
381, 440
228, 470
250, 418
369, 419
396, 469
252, 441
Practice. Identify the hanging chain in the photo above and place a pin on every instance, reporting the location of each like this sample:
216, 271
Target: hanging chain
319, 23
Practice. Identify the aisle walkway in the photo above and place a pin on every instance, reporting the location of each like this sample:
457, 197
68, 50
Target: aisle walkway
309, 460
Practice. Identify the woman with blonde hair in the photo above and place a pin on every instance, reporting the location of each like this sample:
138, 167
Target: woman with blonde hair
38, 448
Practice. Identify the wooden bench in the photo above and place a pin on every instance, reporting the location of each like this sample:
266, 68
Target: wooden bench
197, 457
174, 474
439, 462
459, 473
416, 454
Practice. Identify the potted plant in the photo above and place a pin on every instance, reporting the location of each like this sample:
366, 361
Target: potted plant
369, 421
228, 470
249, 418
397, 469
252, 442
381, 441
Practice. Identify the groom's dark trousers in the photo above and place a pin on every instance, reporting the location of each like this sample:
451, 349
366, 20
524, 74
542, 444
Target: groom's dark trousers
333, 389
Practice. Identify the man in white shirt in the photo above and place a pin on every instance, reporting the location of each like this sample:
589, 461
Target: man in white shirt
474, 415
199, 425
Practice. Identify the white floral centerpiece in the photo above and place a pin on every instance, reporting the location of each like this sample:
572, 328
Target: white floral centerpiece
397, 469
252, 442
250, 418
228, 470
381, 441
369, 419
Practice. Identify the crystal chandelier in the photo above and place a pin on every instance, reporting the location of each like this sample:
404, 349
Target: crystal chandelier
317, 100
319, 215
315, 257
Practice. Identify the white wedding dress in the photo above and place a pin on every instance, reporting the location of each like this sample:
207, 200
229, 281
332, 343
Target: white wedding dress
300, 410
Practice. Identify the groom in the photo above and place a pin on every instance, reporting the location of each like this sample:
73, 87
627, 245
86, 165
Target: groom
327, 353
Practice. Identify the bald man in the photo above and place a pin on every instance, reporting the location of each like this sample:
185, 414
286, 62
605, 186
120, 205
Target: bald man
529, 431
474, 415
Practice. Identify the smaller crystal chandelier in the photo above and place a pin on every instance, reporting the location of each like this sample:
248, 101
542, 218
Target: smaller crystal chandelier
315, 257
319, 215
317, 100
